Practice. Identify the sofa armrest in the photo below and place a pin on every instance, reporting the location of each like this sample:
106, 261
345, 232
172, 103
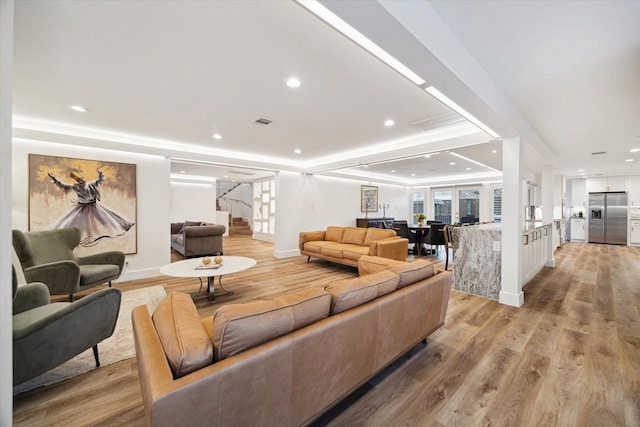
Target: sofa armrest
204, 230
30, 296
61, 277
392, 247
310, 236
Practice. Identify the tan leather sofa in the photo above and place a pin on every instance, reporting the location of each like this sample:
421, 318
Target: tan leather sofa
286, 361
345, 245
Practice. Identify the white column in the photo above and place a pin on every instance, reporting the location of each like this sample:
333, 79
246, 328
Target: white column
6, 309
512, 222
547, 210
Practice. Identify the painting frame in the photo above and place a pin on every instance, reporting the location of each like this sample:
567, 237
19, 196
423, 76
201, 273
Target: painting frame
368, 198
104, 206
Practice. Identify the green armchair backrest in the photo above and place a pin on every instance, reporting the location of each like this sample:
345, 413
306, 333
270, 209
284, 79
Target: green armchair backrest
43, 247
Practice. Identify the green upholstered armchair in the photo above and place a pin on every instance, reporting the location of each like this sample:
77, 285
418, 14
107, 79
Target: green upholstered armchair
47, 257
48, 334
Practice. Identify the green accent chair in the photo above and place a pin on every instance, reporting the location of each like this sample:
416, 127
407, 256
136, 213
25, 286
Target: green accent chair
46, 335
47, 257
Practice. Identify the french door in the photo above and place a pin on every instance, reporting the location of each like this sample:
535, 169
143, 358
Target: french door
456, 204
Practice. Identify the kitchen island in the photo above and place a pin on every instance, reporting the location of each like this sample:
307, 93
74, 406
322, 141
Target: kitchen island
477, 262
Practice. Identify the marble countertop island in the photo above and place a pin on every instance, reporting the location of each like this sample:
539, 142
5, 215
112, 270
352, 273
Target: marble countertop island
477, 263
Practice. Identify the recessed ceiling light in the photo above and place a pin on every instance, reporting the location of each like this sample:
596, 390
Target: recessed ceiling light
628, 160
79, 108
634, 150
427, 156
494, 151
293, 82
413, 174
452, 163
467, 169
393, 171
297, 151
216, 136
389, 123
580, 170
182, 172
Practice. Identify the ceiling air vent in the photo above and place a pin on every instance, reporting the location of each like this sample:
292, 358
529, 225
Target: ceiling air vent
443, 120
263, 121
598, 153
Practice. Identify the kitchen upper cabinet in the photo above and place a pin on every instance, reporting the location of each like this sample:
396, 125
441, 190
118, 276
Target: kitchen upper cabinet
578, 193
634, 190
611, 183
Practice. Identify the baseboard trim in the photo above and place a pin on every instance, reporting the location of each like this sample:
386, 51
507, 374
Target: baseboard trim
286, 254
508, 298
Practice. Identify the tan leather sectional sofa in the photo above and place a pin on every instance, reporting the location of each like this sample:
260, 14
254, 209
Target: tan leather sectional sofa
345, 245
286, 361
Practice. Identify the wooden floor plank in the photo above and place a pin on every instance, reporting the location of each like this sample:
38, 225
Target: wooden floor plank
569, 357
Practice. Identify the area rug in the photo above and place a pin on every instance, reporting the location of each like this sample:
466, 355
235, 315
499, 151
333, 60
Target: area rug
117, 347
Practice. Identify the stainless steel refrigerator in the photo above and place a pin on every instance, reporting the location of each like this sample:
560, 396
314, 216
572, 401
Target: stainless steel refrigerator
608, 218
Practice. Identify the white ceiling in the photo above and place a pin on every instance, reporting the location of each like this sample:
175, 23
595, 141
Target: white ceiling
162, 77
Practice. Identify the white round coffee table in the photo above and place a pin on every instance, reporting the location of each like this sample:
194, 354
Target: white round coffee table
194, 267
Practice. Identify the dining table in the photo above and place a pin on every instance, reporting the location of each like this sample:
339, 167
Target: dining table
421, 233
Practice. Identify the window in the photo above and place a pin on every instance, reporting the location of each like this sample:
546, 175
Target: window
417, 205
497, 204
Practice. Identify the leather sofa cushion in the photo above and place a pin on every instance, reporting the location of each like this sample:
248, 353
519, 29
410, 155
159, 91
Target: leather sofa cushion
374, 234
368, 264
183, 337
332, 250
411, 272
349, 293
355, 252
334, 234
354, 235
239, 327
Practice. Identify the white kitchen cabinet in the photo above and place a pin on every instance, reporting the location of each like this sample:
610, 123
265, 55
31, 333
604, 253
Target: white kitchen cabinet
634, 190
610, 183
578, 193
535, 251
578, 229
634, 236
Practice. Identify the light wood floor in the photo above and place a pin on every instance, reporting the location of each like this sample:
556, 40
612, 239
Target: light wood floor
569, 357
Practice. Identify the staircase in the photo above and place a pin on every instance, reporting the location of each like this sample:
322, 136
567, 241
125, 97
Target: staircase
239, 226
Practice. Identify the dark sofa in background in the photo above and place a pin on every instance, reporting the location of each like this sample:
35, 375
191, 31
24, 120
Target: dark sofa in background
195, 238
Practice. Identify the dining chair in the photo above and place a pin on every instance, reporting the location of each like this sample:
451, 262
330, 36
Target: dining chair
435, 237
402, 229
448, 238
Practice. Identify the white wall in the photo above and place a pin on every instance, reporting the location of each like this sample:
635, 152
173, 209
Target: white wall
153, 199
193, 202
310, 202
6, 309
236, 197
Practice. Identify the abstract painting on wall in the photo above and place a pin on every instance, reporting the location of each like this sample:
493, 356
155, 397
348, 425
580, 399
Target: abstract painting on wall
97, 196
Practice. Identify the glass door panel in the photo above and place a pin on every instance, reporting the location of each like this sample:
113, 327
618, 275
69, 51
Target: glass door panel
469, 206
442, 207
